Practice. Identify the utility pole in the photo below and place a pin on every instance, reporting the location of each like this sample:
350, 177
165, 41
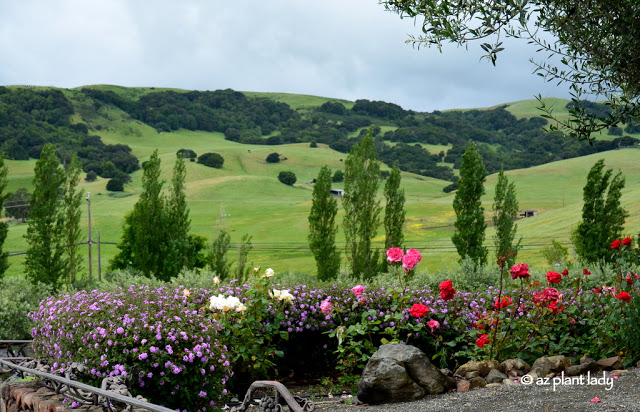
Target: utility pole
89, 242
99, 261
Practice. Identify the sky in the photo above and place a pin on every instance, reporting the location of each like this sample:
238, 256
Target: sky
348, 49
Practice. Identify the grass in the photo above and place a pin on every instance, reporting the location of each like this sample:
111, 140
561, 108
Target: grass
253, 201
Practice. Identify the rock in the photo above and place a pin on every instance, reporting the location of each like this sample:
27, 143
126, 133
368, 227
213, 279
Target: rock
586, 365
472, 374
495, 376
586, 359
463, 386
611, 363
482, 367
515, 367
477, 383
493, 385
532, 376
447, 372
618, 372
555, 364
400, 373
509, 382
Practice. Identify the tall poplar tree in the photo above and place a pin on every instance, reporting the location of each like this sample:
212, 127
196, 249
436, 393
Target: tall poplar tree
179, 224
394, 213
603, 216
505, 212
4, 227
470, 226
322, 227
71, 227
361, 209
45, 260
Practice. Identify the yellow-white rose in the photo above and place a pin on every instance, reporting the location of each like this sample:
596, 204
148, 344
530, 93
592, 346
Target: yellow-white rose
268, 273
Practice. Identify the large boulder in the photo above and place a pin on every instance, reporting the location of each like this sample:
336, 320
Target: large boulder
400, 373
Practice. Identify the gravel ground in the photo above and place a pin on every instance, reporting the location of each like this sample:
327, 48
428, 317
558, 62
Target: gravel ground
623, 396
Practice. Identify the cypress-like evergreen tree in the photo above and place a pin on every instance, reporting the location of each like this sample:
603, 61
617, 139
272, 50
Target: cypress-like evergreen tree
71, 228
394, 213
505, 212
361, 209
45, 261
603, 216
4, 227
177, 254
322, 227
470, 226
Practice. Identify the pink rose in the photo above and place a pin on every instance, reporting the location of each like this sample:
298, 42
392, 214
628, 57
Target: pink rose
411, 259
433, 324
326, 307
394, 255
358, 290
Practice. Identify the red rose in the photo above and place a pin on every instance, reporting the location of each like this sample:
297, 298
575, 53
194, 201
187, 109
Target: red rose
554, 307
553, 277
626, 241
521, 270
447, 292
504, 302
394, 255
418, 310
565, 272
615, 244
624, 296
482, 340
629, 280
596, 290
586, 272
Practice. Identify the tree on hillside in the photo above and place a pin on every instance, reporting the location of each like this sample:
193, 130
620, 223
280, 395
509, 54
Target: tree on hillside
17, 204
505, 212
394, 213
178, 223
322, 227
45, 261
4, 227
72, 198
245, 246
361, 209
217, 257
273, 158
211, 160
288, 178
603, 216
469, 224
596, 43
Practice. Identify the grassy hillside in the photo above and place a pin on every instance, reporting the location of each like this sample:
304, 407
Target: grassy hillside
246, 190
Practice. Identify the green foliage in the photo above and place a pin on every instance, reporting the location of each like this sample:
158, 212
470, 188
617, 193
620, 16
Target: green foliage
91, 176
242, 270
469, 224
322, 227
4, 227
273, 158
72, 198
505, 212
115, 185
46, 261
394, 212
361, 209
187, 153
17, 204
288, 178
155, 238
217, 258
556, 253
18, 297
596, 44
211, 160
603, 216
338, 176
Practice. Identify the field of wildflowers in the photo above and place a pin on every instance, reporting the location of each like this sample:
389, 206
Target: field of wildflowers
187, 347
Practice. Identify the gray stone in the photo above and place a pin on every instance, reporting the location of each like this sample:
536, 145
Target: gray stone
618, 372
400, 373
477, 383
509, 382
515, 367
447, 372
554, 364
495, 376
482, 367
493, 385
472, 374
611, 363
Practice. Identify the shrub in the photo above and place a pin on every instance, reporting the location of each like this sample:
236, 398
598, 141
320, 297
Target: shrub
313, 144
187, 153
18, 297
338, 176
273, 158
288, 178
91, 176
172, 349
211, 160
115, 185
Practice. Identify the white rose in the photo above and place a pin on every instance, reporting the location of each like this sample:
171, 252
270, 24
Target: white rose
216, 280
268, 273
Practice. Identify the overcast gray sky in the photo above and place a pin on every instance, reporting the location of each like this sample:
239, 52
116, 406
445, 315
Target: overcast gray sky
346, 49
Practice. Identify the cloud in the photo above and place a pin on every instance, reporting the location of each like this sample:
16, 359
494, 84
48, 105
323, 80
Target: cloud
335, 48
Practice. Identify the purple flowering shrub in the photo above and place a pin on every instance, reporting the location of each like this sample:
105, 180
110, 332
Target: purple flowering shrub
169, 351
